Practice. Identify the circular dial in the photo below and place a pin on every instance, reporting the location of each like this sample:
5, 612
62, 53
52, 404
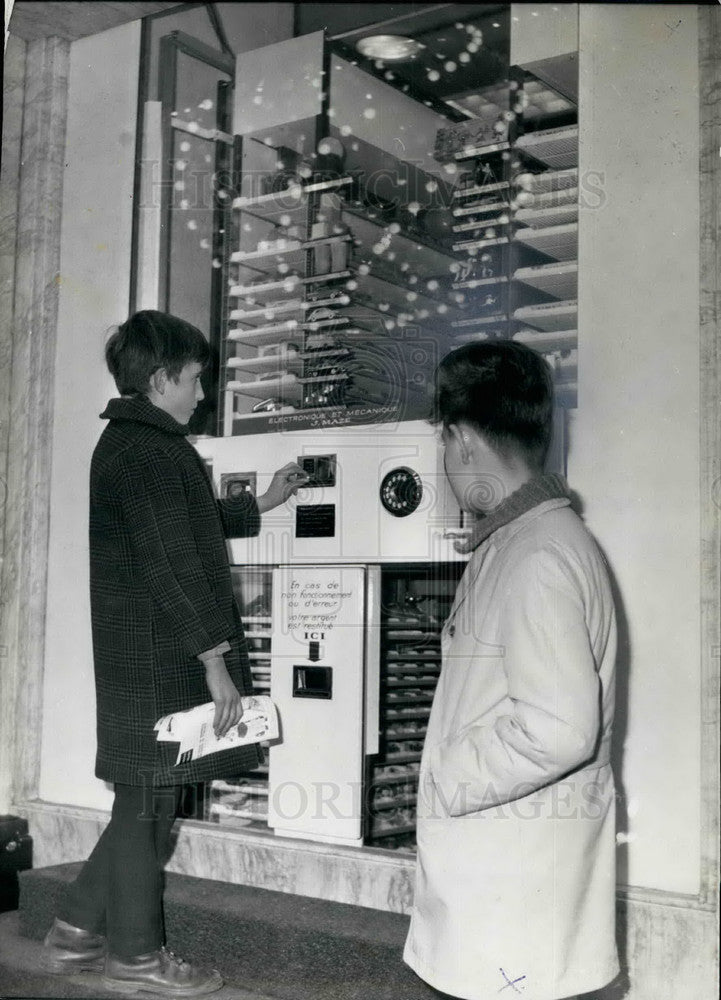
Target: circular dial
401, 491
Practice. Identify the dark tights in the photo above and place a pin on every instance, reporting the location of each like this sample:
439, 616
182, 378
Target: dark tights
119, 891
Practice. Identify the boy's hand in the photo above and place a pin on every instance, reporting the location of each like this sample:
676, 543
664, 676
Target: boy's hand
284, 484
228, 708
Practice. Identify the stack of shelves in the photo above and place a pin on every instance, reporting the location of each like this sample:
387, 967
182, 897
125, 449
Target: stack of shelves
516, 223
243, 801
410, 667
481, 213
548, 318
340, 320
283, 306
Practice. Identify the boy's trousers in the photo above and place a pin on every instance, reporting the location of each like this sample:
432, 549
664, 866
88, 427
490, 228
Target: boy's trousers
119, 891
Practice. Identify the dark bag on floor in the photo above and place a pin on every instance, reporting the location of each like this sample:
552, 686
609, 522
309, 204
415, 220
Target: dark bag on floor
16, 855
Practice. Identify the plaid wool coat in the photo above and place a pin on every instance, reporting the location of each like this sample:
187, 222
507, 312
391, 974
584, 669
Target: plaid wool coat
160, 593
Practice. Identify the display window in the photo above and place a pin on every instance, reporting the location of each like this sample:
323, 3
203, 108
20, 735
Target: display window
339, 226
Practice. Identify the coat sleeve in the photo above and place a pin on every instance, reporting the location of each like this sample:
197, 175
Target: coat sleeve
158, 522
240, 516
553, 687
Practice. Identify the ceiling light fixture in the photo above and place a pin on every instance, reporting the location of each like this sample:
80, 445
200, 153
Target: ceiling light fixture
389, 48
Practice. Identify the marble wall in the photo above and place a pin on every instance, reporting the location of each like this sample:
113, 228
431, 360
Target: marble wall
710, 443
634, 455
33, 325
381, 880
13, 95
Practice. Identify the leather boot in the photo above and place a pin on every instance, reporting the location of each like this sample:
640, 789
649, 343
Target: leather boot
159, 972
69, 949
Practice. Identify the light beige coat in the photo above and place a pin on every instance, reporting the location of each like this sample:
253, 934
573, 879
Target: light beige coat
515, 882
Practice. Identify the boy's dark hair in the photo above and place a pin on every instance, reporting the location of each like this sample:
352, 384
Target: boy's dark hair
150, 340
502, 388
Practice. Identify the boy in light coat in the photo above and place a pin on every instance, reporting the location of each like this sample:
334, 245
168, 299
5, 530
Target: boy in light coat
515, 885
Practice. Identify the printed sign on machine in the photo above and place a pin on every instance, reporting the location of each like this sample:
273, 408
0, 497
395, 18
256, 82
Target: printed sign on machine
317, 683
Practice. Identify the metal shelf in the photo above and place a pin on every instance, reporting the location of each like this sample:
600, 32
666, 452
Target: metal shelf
560, 242
261, 312
406, 669
541, 218
288, 284
396, 802
554, 180
280, 248
543, 340
392, 656
480, 282
286, 360
266, 334
556, 147
239, 787
411, 634
480, 244
482, 209
549, 315
494, 320
480, 190
559, 279
295, 193
473, 151
422, 258
398, 293
421, 713
402, 758
292, 306
555, 197
282, 361
394, 831
407, 778
405, 699
465, 227
288, 388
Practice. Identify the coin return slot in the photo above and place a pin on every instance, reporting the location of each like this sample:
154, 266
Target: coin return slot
312, 682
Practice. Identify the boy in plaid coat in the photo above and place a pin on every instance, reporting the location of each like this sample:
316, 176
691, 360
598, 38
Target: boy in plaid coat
166, 636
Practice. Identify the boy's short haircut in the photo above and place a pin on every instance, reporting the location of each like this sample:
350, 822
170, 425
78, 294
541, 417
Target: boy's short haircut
502, 388
150, 340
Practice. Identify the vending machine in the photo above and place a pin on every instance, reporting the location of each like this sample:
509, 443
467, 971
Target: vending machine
343, 595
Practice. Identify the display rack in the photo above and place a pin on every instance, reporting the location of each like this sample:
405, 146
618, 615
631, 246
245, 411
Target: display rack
299, 308
517, 214
242, 799
414, 609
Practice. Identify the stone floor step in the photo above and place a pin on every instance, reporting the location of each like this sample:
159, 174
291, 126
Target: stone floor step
270, 943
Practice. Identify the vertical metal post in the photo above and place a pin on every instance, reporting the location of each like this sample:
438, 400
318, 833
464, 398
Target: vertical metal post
143, 81
221, 188
167, 77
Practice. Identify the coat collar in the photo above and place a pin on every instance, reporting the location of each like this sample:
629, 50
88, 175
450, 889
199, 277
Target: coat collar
496, 541
141, 410
528, 496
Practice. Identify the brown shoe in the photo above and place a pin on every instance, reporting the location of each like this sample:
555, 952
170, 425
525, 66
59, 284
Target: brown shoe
69, 949
159, 972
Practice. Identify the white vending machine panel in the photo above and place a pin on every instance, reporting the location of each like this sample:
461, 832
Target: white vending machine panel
375, 494
318, 685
